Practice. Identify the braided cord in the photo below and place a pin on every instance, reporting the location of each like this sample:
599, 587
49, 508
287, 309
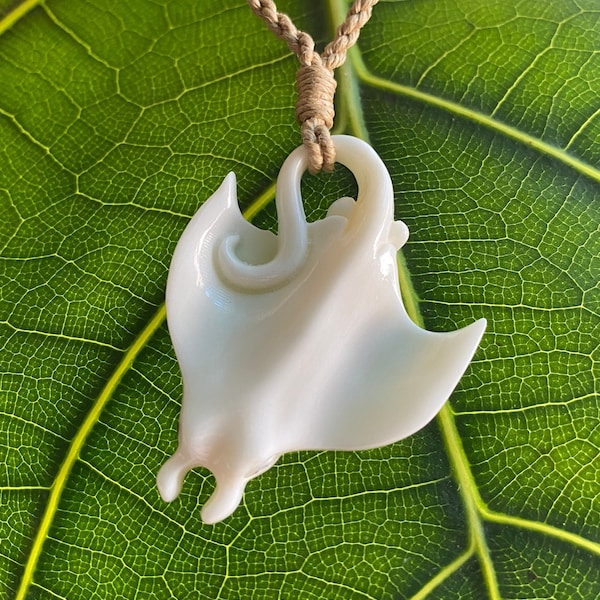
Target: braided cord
315, 81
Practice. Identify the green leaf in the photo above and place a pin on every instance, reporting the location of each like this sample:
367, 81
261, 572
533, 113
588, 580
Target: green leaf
117, 119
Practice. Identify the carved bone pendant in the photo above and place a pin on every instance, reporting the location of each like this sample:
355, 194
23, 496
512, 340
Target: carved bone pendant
298, 341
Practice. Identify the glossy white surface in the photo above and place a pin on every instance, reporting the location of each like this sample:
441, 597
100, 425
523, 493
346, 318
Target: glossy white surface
298, 341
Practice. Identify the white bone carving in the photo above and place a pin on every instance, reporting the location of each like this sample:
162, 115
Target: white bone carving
298, 341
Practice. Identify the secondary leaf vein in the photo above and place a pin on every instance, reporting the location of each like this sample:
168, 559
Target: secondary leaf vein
477, 117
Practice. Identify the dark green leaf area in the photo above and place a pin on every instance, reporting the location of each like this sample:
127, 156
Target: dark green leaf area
118, 120
19, 519
511, 258
466, 584
527, 556
116, 531
526, 64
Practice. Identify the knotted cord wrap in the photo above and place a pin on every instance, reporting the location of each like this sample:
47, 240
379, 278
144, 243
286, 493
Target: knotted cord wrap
314, 112
315, 81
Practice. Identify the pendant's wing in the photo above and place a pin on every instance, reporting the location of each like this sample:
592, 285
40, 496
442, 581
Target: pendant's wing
199, 306
360, 373
397, 377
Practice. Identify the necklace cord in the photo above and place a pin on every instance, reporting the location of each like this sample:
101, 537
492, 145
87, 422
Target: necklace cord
315, 81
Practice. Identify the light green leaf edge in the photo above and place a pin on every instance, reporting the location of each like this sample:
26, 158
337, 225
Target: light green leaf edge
354, 73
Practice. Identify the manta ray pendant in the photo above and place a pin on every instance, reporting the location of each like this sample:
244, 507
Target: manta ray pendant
298, 341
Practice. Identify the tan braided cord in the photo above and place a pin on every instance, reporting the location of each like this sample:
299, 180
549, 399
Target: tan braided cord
315, 81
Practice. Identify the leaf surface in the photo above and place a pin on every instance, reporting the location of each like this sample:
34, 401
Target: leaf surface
118, 119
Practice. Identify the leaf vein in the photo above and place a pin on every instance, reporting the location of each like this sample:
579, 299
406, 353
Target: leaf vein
77, 443
476, 117
16, 14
